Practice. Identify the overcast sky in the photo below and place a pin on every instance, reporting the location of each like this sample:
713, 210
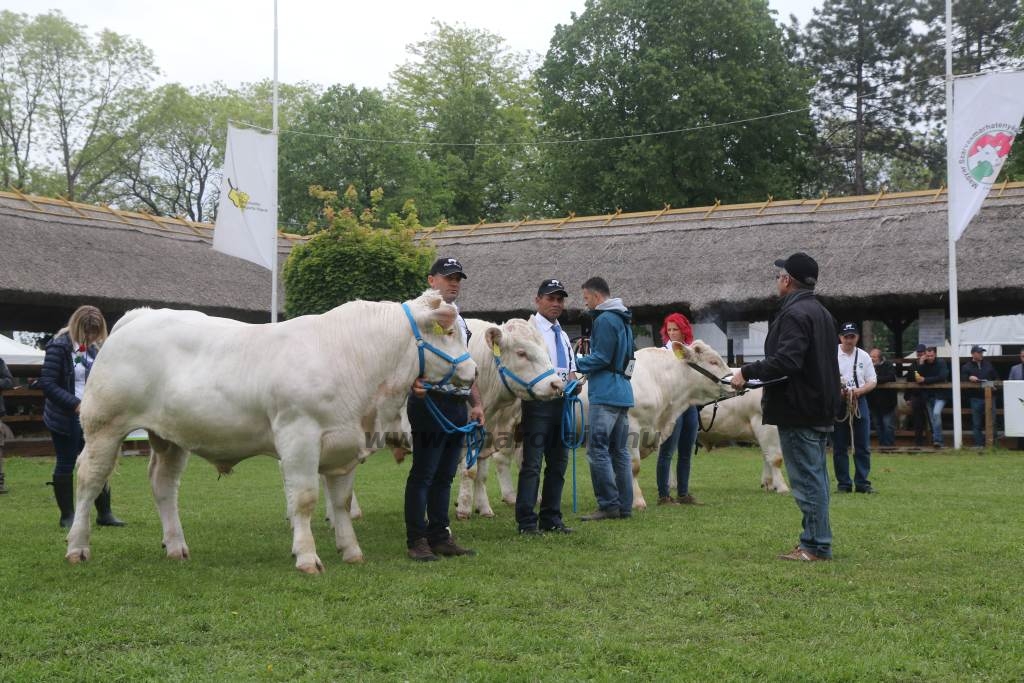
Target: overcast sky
320, 41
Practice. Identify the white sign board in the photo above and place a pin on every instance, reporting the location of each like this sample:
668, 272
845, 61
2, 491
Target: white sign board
1013, 407
737, 329
931, 327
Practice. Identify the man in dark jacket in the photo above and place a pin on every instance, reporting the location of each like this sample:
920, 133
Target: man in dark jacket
608, 368
973, 373
933, 370
801, 347
6, 382
883, 403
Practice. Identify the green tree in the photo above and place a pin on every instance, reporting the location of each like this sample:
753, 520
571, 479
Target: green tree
986, 34
335, 142
473, 99
871, 87
356, 255
624, 68
22, 81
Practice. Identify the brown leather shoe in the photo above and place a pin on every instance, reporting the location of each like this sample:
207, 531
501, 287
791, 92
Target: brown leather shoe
449, 548
421, 552
668, 500
688, 500
799, 554
597, 516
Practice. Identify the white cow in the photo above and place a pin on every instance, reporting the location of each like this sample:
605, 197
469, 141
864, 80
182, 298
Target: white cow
227, 390
739, 419
524, 353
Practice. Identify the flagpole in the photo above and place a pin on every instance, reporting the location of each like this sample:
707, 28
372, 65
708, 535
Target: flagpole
954, 315
274, 132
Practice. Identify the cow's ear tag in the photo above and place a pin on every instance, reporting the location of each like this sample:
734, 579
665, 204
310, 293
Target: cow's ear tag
496, 350
438, 330
679, 352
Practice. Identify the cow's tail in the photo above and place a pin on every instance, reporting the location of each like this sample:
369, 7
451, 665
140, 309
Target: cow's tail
128, 317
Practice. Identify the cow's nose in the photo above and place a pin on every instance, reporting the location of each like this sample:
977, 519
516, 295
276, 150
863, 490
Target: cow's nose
558, 385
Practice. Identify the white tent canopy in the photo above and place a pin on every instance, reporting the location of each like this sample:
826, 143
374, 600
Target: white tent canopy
991, 333
15, 353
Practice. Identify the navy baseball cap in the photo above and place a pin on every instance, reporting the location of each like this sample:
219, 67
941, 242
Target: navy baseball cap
550, 287
447, 266
920, 348
977, 349
849, 328
801, 268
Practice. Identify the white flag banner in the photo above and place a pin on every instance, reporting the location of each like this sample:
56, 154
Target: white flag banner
987, 110
247, 214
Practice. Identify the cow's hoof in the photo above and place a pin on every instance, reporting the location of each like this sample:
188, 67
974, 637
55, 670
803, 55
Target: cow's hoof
177, 551
486, 512
461, 516
312, 565
509, 500
354, 516
640, 505
353, 557
76, 555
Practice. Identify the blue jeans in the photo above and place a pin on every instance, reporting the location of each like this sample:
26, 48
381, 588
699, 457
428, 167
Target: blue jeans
611, 466
861, 450
684, 435
935, 406
435, 460
803, 450
978, 419
885, 426
542, 440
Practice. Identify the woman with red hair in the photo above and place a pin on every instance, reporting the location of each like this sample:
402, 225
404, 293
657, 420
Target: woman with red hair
677, 328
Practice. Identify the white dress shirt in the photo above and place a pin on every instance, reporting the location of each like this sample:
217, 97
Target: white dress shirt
545, 326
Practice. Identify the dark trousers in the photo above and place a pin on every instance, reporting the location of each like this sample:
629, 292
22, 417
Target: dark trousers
68, 446
542, 440
919, 419
861, 450
435, 460
978, 419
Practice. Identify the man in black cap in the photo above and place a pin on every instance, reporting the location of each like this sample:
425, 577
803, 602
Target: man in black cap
542, 424
857, 373
974, 372
801, 348
934, 370
435, 453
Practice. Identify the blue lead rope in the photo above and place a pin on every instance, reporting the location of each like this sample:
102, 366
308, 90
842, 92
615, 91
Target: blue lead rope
573, 428
474, 433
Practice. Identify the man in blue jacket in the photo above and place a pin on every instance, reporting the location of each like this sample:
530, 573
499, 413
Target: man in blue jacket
801, 348
608, 368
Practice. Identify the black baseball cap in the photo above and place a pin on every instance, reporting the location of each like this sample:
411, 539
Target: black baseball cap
550, 287
848, 328
801, 268
447, 266
920, 348
977, 349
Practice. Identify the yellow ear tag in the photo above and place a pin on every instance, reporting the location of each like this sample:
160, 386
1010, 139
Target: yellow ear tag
496, 350
438, 330
679, 352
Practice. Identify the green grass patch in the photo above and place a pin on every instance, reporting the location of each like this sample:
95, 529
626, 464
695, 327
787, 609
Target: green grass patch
925, 585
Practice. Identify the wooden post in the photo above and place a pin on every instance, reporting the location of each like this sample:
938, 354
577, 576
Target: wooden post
990, 415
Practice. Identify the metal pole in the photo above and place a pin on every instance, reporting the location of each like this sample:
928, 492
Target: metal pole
273, 251
954, 317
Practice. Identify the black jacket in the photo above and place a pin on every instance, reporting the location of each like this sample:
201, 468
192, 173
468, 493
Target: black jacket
983, 371
883, 401
935, 373
6, 382
801, 344
57, 381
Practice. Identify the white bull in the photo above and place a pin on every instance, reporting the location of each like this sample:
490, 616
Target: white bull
226, 391
739, 419
664, 385
525, 354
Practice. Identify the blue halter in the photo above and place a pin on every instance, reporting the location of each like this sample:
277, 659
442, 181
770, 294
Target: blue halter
474, 433
505, 374
422, 344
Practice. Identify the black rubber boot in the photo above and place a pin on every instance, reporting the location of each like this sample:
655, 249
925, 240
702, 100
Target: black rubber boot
64, 492
105, 517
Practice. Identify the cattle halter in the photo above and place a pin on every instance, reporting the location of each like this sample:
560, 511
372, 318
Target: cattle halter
505, 374
422, 344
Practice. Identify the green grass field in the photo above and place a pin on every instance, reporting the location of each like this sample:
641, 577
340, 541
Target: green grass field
925, 585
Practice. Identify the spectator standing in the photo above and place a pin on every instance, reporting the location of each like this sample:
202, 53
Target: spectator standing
801, 346
934, 370
974, 372
918, 399
857, 375
677, 328
882, 404
6, 382
608, 368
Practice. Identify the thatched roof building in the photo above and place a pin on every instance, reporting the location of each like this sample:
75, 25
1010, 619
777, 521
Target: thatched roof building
56, 255
882, 257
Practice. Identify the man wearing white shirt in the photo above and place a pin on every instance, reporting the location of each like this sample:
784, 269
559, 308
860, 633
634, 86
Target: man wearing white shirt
857, 378
542, 425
